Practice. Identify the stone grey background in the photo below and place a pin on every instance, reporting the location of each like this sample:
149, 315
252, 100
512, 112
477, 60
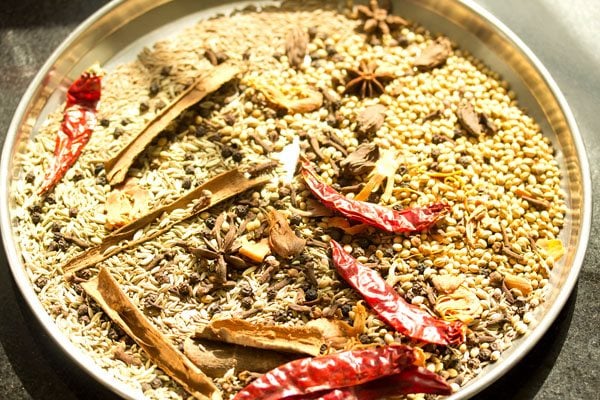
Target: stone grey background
564, 365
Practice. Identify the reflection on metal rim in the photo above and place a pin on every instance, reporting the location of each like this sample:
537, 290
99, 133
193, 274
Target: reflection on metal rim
112, 29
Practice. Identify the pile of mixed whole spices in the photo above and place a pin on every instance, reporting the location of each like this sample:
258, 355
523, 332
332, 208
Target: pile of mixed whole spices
318, 204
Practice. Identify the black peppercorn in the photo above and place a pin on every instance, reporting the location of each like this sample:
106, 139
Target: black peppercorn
35, 218
311, 294
247, 302
194, 278
241, 210
364, 338
104, 122
144, 106
118, 132
154, 88
189, 169
237, 157
226, 152
187, 183
166, 70
41, 282
295, 219
345, 309
245, 290
210, 222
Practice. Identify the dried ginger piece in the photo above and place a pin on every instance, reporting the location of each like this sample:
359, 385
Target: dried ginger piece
462, 305
105, 290
125, 205
255, 252
518, 282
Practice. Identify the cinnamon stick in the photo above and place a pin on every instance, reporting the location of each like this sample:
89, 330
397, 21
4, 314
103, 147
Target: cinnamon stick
105, 290
117, 167
215, 359
212, 192
293, 339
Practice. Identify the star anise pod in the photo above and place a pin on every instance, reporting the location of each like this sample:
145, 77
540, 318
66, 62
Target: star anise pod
221, 249
366, 81
377, 20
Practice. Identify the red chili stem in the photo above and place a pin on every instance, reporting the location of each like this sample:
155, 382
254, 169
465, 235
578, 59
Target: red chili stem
79, 121
312, 375
406, 318
413, 219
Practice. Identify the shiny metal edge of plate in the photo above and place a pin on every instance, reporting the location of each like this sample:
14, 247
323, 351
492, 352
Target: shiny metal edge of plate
112, 30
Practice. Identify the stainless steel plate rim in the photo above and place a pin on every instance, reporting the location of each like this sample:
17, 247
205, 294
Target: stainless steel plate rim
87, 364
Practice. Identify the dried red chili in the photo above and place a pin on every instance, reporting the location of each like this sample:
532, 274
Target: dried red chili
317, 374
410, 380
408, 220
406, 318
79, 120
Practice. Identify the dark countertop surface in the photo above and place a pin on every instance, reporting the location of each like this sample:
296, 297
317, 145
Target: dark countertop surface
563, 365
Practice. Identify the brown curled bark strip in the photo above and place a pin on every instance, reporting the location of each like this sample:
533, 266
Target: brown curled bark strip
215, 359
105, 290
117, 167
292, 339
212, 192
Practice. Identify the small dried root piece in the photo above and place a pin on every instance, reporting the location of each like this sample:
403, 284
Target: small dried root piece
120, 354
214, 191
117, 167
299, 100
105, 290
